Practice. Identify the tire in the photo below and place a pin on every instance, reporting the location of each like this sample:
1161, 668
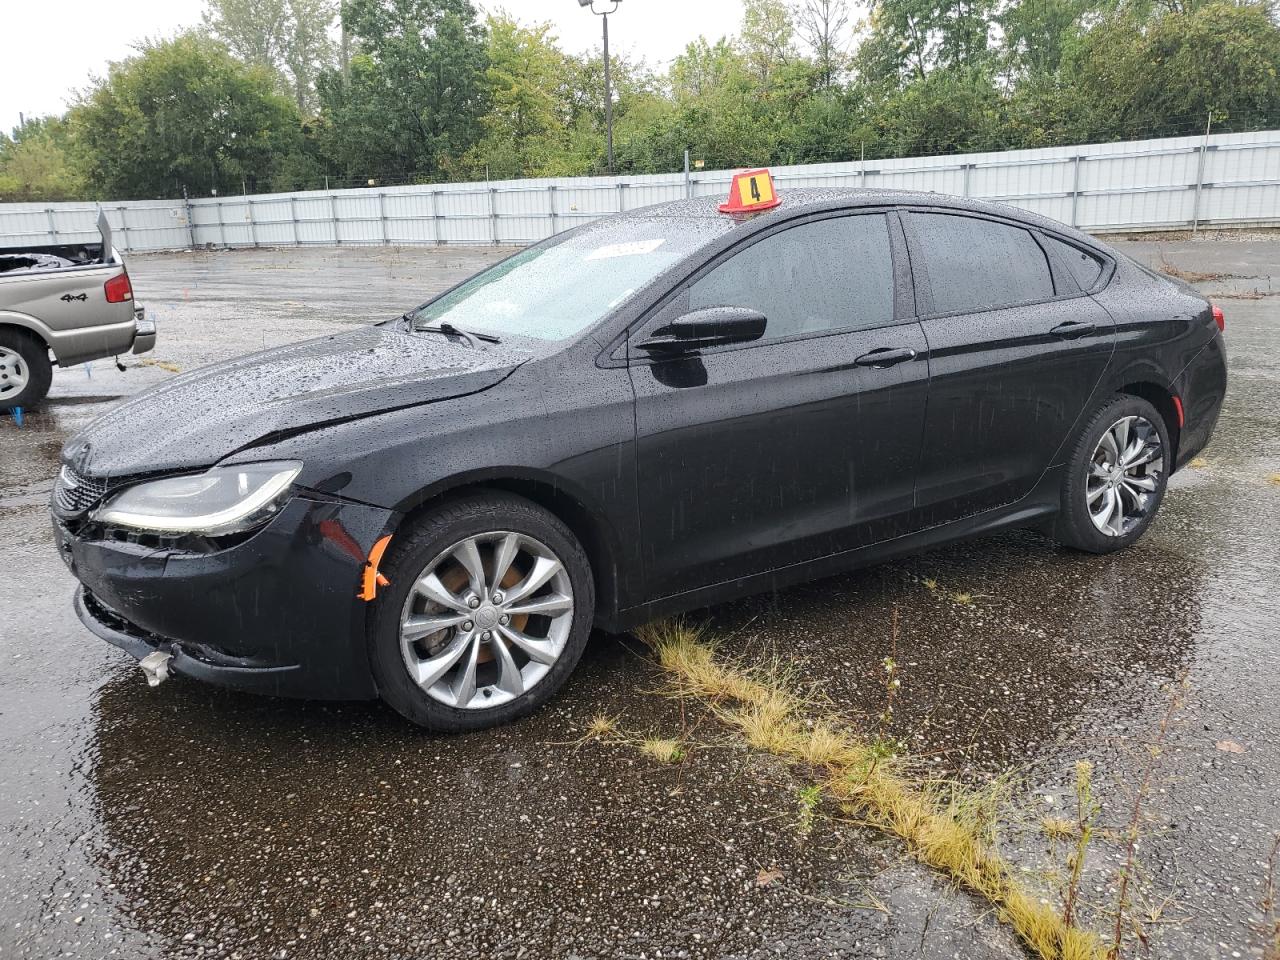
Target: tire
543, 648
1085, 521
24, 361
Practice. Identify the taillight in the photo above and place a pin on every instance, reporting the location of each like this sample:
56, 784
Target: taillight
1219, 318
118, 289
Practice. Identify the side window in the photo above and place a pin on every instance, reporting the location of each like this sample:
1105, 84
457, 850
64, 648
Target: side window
834, 274
1085, 267
980, 264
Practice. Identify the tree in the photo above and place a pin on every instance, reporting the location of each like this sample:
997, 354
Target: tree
290, 37
767, 36
525, 128
950, 110
415, 93
182, 113
909, 38
1168, 75
821, 25
1037, 32
35, 164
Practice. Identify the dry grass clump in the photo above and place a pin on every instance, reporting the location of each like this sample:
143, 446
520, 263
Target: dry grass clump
662, 749
602, 727
1190, 276
1058, 828
944, 828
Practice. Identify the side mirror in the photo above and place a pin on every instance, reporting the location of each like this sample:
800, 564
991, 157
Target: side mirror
710, 327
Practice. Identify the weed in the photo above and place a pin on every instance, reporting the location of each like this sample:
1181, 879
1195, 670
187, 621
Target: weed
1177, 694
162, 364
890, 679
947, 829
1190, 276
1057, 828
962, 597
1270, 918
601, 727
807, 801
662, 749
1087, 811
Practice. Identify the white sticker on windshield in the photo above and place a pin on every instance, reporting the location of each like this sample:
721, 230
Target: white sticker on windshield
633, 249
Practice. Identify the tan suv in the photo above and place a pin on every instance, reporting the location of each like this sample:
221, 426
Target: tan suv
72, 301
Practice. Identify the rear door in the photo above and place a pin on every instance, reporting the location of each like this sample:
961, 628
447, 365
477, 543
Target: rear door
756, 456
1016, 349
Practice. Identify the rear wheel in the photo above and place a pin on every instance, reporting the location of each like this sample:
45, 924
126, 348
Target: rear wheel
1116, 477
489, 609
25, 370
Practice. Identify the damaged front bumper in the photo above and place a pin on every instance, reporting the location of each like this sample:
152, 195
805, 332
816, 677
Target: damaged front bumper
277, 613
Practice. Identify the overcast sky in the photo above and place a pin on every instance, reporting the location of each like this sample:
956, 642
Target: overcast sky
51, 50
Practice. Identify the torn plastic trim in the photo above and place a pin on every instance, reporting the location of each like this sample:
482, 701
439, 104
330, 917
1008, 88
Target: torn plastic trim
155, 666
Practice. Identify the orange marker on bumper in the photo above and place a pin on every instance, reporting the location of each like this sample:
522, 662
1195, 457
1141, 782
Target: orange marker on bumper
372, 579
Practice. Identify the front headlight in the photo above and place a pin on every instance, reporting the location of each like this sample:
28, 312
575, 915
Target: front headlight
223, 500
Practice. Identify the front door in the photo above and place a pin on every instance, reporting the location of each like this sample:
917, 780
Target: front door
803, 444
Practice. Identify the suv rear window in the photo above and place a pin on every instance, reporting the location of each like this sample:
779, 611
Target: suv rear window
976, 265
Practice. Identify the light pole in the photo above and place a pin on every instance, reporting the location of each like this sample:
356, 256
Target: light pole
608, 86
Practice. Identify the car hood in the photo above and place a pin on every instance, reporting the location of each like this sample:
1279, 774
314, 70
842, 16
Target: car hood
201, 417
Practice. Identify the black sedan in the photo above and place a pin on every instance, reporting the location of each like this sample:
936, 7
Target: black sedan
650, 413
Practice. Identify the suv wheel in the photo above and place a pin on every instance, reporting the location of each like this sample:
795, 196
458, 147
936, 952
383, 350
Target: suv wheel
489, 609
1116, 477
25, 370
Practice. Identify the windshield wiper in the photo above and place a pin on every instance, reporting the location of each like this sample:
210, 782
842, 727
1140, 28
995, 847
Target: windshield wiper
449, 330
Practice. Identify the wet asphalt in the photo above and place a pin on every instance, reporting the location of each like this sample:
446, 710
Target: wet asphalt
187, 821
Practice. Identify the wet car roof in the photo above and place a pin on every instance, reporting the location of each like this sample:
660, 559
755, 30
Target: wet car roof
802, 199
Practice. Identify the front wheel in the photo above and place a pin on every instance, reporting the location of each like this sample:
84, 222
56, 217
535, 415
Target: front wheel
1115, 478
489, 609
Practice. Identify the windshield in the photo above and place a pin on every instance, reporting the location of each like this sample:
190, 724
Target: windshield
563, 286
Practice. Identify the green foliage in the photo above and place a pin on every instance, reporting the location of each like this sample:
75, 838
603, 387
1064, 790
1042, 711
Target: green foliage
526, 130
35, 164
415, 92
183, 112
1219, 58
431, 93
948, 110
288, 37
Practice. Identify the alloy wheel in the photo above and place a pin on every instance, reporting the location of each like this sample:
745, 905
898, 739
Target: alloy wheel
1124, 475
486, 620
13, 373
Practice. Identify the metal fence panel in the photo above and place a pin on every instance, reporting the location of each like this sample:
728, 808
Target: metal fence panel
1224, 179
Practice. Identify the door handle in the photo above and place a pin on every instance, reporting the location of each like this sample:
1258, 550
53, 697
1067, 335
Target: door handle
1072, 329
885, 357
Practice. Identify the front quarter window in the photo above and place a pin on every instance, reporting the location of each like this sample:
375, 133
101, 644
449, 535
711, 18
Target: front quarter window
563, 286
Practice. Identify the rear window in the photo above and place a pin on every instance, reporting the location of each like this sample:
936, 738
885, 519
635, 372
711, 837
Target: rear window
1085, 267
976, 265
